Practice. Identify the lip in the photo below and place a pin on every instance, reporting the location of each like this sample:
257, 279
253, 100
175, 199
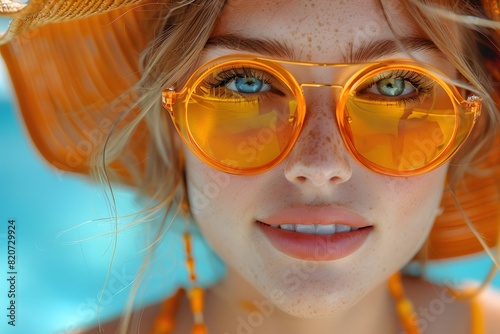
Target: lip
315, 247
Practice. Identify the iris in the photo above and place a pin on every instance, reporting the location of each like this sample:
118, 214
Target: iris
248, 85
391, 86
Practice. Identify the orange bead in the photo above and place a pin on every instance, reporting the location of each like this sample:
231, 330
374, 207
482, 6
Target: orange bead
199, 329
395, 286
187, 242
196, 300
162, 327
405, 308
190, 263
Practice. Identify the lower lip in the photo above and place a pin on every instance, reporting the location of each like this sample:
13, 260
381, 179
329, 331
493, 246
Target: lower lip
313, 247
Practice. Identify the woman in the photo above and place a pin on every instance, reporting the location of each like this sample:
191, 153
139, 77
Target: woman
352, 121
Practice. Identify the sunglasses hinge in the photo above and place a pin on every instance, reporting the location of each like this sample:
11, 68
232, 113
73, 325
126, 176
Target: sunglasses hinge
168, 98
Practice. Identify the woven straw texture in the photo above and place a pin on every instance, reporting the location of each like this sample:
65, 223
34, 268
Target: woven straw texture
39, 12
68, 74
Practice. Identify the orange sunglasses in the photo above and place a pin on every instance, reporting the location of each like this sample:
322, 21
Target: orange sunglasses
242, 114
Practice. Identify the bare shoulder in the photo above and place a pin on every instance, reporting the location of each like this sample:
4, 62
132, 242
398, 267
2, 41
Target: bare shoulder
489, 304
437, 309
142, 320
146, 316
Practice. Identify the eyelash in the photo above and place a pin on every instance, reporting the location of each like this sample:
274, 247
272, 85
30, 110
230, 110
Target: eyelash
217, 84
421, 83
226, 76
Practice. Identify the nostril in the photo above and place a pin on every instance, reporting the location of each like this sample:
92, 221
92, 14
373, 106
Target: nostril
318, 175
301, 179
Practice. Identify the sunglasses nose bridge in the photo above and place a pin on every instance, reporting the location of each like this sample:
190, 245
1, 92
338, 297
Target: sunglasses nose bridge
327, 92
320, 84
315, 79
316, 74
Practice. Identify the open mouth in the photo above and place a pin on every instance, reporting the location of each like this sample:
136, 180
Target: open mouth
317, 229
316, 242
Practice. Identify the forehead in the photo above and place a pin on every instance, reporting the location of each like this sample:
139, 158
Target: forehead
319, 30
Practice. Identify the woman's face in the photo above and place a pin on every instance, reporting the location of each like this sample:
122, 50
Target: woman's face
318, 182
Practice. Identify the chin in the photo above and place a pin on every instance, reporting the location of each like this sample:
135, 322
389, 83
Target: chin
316, 297
314, 308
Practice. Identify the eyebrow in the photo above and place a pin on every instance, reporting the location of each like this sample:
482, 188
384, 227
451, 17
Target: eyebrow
367, 51
266, 47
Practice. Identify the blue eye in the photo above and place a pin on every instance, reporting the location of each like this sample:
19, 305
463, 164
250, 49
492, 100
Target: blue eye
391, 86
248, 85
398, 83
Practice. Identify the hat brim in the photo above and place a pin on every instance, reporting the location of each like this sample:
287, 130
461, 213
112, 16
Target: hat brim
68, 76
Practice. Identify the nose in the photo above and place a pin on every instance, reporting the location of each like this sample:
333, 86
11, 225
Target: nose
319, 157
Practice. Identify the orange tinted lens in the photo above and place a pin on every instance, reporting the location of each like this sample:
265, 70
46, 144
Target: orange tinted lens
242, 116
401, 120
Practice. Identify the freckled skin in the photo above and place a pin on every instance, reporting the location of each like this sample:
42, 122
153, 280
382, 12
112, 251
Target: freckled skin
319, 170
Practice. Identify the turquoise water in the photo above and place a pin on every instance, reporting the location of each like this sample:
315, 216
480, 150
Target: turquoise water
63, 253
63, 257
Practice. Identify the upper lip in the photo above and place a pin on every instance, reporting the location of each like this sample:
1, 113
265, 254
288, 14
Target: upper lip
313, 214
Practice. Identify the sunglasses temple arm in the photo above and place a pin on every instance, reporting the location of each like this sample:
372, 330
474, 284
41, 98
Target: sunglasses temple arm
474, 104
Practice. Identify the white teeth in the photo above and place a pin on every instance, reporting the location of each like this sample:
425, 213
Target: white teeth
317, 229
307, 229
343, 228
325, 229
288, 227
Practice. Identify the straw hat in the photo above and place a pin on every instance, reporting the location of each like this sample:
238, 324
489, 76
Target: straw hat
66, 74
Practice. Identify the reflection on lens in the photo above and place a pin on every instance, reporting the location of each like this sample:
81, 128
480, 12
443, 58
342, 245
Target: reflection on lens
403, 132
241, 130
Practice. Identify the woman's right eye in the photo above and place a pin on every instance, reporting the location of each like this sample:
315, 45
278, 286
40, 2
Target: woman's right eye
248, 84
242, 82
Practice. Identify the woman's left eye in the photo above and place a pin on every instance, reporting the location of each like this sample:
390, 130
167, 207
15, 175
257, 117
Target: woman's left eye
248, 85
392, 87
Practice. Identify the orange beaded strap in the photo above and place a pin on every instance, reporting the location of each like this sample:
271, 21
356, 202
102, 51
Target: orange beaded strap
404, 306
407, 315
165, 320
477, 318
194, 293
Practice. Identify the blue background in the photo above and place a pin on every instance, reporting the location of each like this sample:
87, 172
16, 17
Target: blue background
64, 249
64, 253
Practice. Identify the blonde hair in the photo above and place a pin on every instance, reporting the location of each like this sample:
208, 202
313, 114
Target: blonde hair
171, 55
453, 28
175, 50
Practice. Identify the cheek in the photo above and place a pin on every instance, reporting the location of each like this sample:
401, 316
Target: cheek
218, 201
211, 191
205, 186
411, 208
